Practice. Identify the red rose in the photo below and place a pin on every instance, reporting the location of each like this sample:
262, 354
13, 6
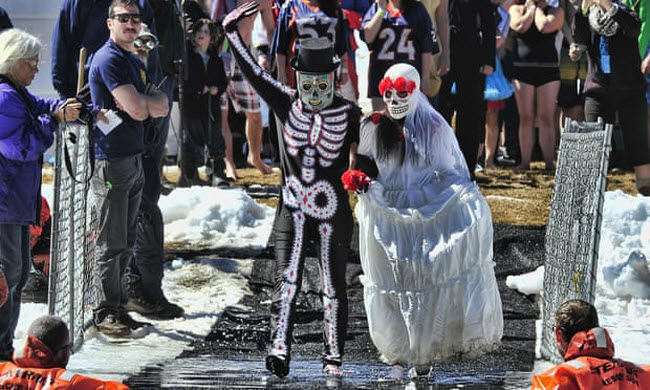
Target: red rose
384, 85
375, 117
400, 84
355, 180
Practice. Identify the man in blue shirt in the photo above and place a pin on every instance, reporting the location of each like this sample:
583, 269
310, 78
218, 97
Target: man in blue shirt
80, 24
118, 83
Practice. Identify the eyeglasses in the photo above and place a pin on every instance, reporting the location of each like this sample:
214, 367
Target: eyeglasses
123, 18
32, 64
148, 44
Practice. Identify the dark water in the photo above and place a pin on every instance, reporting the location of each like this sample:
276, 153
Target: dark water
232, 355
211, 373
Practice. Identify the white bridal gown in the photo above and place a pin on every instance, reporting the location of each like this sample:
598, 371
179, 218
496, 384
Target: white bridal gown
425, 236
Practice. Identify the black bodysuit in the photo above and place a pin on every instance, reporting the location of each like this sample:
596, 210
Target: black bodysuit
314, 152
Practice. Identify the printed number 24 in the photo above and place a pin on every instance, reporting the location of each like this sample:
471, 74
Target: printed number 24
404, 46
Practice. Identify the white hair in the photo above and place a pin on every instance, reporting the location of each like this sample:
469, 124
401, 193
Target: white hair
16, 45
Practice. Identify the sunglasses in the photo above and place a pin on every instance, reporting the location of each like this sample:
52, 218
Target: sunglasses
148, 44
123, 18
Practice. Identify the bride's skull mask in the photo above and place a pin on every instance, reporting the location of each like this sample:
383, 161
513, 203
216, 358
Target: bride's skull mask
398, 88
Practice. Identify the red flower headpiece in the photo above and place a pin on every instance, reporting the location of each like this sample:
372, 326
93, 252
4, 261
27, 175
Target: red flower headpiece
400, 84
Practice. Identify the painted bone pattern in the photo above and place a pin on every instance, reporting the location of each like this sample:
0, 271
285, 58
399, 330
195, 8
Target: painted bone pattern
320, 135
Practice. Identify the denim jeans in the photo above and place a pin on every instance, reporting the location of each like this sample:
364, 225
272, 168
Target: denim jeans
15, 263
117, 189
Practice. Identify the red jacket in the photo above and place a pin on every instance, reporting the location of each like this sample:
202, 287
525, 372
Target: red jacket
34, 369
589, 363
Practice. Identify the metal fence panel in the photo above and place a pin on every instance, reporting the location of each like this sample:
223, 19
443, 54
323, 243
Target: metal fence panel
72, 291
573, 230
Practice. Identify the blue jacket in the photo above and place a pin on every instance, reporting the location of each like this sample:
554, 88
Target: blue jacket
24, 136
82, 23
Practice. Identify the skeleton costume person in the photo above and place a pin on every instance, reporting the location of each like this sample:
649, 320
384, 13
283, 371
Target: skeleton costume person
425, 236
319, 130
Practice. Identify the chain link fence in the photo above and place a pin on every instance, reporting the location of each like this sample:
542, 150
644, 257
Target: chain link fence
573, 230
72, 291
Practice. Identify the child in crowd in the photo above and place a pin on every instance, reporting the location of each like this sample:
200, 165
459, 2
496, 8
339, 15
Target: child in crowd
497, 87
206, 81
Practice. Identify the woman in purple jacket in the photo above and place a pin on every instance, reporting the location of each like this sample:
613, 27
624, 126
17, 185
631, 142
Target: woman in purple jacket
27, 125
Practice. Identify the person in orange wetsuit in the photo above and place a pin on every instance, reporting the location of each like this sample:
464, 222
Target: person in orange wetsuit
588, 353
41, 363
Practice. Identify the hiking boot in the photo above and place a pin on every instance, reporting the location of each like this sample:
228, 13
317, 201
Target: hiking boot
111, 326
126, 319
166, 310
140, 305
279, 365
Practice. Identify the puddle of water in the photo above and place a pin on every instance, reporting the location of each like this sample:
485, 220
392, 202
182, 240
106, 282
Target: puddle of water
211, 373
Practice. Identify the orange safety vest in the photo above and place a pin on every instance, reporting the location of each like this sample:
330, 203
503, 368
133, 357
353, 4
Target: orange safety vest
29, 372
590, 364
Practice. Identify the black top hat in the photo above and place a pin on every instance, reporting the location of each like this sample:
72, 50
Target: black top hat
315, 55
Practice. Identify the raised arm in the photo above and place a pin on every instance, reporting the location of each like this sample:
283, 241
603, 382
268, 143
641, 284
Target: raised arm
275, 94
373, 20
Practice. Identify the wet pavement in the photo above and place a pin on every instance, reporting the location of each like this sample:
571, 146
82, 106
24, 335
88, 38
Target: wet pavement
231, 356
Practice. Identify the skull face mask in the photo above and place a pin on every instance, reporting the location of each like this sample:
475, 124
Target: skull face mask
316, 90
398, 88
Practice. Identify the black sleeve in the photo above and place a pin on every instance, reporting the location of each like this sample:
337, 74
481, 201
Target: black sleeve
367, 165
277, 95
488, 31
194, 83
218, 76
5, 22
341, 44
628, 22
354, 124
582, 31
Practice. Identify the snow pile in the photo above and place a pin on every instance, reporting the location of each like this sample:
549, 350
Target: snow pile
623, 276
215, 217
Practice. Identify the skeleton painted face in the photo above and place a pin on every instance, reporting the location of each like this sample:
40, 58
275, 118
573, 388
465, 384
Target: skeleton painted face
316, 90
398, 88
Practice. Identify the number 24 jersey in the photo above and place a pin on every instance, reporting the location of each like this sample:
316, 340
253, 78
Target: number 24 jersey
403, 37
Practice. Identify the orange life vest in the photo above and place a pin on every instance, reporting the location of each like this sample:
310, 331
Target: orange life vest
590, 364
32, 370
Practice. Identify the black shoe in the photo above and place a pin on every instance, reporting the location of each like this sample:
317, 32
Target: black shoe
166, 310
132, 324
35, 289
220, 182
111, 326
141, 305
279, 365
505, 160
